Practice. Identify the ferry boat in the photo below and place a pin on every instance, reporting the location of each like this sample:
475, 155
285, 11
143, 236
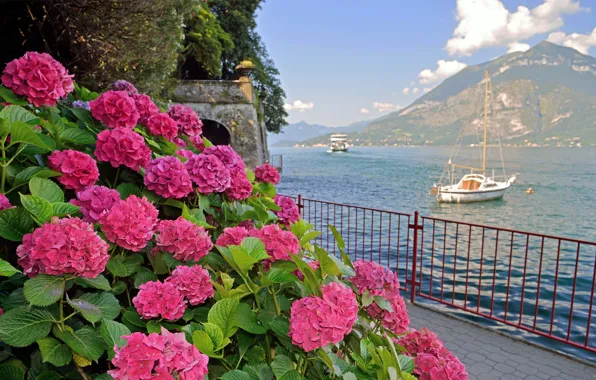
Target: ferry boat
339, 142
475, 186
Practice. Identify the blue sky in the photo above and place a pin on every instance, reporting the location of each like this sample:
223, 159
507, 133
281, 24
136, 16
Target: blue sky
348, 60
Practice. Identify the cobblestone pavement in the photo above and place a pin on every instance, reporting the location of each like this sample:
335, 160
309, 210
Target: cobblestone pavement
488, 355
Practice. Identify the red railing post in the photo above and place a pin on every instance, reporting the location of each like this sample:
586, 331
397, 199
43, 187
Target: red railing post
416, 227
300, 205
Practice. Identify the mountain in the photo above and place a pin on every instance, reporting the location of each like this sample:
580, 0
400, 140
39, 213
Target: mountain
546, 95
297, 132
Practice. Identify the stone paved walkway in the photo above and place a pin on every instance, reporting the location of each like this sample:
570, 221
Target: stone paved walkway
488, 355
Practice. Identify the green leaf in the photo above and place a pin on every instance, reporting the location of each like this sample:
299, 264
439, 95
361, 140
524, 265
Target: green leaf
291, 375
89, 311
339, 240
122, 266
21, 132
17, 113
133, 318
242, 259
280, 276
222, 315
40, 209
327, 265
383, 303
280, 326
104, 376
153, 326
203, 342
406, 363
106, 302
127, 189
54, 352
7, 270
11, 97
367, 298
236, 374
84, 342
44, 290
255, 248
143, 276
281, 365
99, 282
216, 335
12, 370
84, 116
309, 236
47, 189
255, 356
61, 209
246, 319
112, 333
14, 223
77, 136
23, 325
49, 375
309, 275
34, 171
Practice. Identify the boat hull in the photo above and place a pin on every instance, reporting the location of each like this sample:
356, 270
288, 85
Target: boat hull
339, 149
470, 196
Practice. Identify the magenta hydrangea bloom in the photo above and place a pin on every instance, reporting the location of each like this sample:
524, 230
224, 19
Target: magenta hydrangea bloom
279, 243
180, 143
267, 173
145, 107
63, 246
442, 366
158, 357
311, 324
161, 124
240, 187
116, 109
185, 153
122, 146
94, 201
130, 223
396, 320
39, 77
193, 282
232, 236
4, 202
78, 169
289, 210
188, 121
227, 155
372, 276
198, 142
168, 177
208, 173
126, 86
183, 239
159, 299
346, 307
420, 342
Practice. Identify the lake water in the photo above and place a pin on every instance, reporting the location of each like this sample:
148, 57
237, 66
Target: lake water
399, 179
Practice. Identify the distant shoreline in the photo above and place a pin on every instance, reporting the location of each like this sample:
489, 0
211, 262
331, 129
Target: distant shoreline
435, 146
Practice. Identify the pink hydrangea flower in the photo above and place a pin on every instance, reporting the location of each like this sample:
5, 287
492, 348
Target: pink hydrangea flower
372, 276
4, 202
240, 187
279, 243
145, 107
188, 121
314, 265
78, 169
185, 153
198, 142
248, 224
193, 282
421, 341
289, 210
232, 236
116, 109
168, 177
95, 201
179, 142
1, 311
158, 357
208, 173
161, 124
122, 146
444, 366
130, 223
126, 86
396, 320
63, 246
227, 155
39, 77
159, 299
346, 306
184, 239
267, 173
311, 324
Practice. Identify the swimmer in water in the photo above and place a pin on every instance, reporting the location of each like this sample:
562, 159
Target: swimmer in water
530, 190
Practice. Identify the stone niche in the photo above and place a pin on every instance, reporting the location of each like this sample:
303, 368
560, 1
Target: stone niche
229, 115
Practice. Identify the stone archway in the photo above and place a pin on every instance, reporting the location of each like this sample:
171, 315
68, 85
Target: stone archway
216, 132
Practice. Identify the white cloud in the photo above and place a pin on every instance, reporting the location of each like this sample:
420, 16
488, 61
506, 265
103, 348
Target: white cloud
579, 42
486, 23
444, 70
426, 89
364, 110
405, 91
415, 90
384, 107
299, 105
517, 46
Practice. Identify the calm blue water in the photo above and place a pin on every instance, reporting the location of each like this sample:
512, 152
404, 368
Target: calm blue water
399, 179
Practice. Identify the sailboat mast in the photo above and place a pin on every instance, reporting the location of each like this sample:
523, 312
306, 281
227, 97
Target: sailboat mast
485, 121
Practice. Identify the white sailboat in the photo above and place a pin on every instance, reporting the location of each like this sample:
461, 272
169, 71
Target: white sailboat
339, 142
475, 186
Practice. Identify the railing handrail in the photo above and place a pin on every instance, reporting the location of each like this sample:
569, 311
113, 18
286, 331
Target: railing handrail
356, 206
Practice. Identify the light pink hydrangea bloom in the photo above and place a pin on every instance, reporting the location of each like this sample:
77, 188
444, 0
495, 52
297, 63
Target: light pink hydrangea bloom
227, 155
78, 169
240, 187
289, 212
184, 239
232, 236
159, 299
193, 282
168, 177
63, 246
267, 173
95, 201
116, 109
208, 173
130, 223
4, 202
39, 77
279, 243
188, 121
161, 124
122, 146
145, 107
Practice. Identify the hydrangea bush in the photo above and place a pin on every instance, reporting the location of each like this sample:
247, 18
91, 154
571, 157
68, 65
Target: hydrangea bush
133, 249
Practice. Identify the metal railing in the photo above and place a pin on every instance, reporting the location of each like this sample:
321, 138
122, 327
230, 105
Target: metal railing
534, 282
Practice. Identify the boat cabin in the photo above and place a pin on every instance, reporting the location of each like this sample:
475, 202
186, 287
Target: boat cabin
471, 182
